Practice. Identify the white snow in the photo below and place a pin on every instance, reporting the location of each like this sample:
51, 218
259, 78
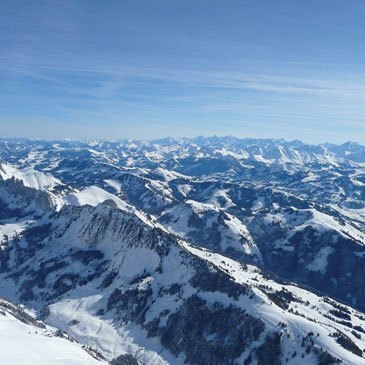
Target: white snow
26, 344
260, 158
319, 263
10, 229
93, 196
113, 184
31, 178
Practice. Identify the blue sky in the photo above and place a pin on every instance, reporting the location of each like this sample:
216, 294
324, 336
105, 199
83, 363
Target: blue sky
288, 69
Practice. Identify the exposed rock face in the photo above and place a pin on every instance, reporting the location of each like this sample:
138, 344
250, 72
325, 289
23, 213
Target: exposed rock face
17, 200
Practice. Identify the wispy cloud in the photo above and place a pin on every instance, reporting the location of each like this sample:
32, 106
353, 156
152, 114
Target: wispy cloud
106, 80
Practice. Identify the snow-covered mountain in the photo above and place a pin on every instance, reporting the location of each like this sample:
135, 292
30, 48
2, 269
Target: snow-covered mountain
198, 251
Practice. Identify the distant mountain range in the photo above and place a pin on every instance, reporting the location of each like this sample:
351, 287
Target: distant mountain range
211, 250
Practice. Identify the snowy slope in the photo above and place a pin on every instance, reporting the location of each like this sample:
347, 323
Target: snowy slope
28, 342
299, 317
31, 178
94, 196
